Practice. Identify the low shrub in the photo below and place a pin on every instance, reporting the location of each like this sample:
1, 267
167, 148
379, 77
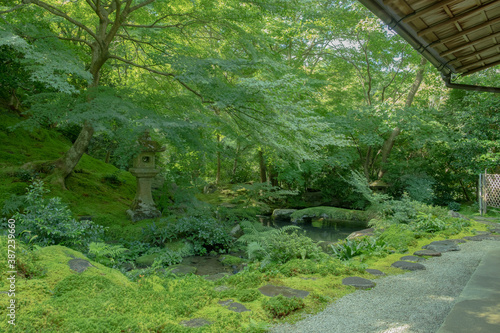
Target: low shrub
399, 237
105, 254
281, 306
329, 266
350, 248
249, 295
50, 222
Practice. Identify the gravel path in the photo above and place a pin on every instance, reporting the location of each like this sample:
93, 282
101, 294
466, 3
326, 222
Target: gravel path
412, 302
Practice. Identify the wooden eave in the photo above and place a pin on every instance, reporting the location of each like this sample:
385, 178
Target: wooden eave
456, 36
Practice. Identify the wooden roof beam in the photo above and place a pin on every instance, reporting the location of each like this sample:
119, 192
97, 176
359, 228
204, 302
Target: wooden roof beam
481, 62
465, 57
431, 8
482, 68
466, 45
468, 31
459, 17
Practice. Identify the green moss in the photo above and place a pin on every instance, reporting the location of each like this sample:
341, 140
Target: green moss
330, 213
231, 260
146, 260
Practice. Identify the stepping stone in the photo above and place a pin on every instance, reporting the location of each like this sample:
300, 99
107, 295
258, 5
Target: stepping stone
374, 272
442, 246
197, 322
479, 238
409, 266
79, 265
412, 258
234, 306
358, 283
271, 291
495, 230
431, 253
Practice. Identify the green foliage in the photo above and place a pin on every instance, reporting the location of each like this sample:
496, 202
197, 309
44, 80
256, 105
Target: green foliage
281, 306
398, 237
453, 205
49, 221
420, 189
264, 192
324, 267
350, 248
249, 295
277, 245
105, 254
28, 263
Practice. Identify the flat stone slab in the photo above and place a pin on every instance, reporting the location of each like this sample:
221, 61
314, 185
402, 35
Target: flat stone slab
271, 291
197, 322
495, 230
479, 238
79, 265
412, 258
431, 253
234, 306
442, 246
409, 266
374, 272
358, 282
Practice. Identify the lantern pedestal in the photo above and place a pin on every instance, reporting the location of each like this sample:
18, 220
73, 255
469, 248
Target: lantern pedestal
143, 206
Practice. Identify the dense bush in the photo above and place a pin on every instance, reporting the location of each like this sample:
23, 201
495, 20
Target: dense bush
204, 232
49, 221
281, 306
399, 237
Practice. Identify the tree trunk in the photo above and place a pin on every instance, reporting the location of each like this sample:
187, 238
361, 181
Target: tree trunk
273, 176
68, 162
262, 166
217, 177
389, 143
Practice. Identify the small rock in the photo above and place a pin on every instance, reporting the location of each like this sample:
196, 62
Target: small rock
271, 291
409, 266
358, 282
374, 272
430, 253
79, 265
236, 232
442, 246
197, 322
412, 258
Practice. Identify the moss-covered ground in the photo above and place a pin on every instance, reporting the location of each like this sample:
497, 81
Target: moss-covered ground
50, 297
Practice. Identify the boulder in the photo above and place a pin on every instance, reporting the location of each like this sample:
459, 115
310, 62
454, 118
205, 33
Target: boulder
409, 266
236, 232
457, 215
358, 282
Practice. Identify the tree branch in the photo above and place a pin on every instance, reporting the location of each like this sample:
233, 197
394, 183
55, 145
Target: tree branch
139, 6
12, 9
65, 16
74, 39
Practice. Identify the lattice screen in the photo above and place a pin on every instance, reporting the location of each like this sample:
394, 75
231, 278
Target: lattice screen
489, 191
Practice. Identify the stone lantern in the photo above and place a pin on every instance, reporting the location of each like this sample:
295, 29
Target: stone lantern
143, 206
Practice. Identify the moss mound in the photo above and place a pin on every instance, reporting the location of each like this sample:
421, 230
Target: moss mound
330, 213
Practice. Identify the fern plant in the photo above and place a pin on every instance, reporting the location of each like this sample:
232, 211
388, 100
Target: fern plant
105, 254
268, 244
